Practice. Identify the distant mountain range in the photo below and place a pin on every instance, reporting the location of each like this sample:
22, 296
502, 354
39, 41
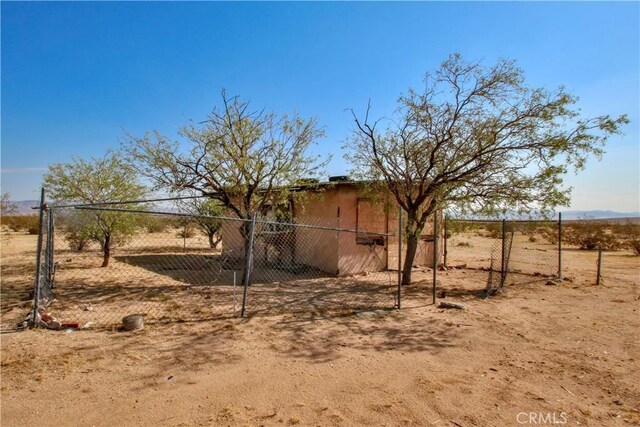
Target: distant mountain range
24, 208
598, 214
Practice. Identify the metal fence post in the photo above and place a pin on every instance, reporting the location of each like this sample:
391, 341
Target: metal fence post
435, 254
36, 286
444, 261
560, 245
248, 263
234, 293
502, 261
184, 238
49, 249
338, 244
399, 256
599, 267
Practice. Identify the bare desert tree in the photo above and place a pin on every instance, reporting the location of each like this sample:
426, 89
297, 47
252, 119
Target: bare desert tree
7, 207
99, 180
244, 159
477, 138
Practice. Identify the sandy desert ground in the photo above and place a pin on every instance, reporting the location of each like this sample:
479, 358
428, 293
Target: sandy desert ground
562, 354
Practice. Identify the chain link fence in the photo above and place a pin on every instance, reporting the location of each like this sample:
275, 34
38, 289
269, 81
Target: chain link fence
511, 251
169, 268
96, 264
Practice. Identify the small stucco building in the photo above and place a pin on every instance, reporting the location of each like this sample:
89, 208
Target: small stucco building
367, 240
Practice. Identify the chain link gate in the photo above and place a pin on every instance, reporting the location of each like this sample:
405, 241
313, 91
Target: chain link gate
511, 251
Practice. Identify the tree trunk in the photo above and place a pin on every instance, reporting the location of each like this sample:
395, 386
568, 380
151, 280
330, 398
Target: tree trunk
412, 247
214, 239
106, 249
413, 229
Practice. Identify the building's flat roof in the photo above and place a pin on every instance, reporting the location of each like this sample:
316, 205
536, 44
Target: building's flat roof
326, 184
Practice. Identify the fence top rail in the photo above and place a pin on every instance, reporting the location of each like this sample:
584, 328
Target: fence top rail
500, 220
142, 211
258, 220
122, 202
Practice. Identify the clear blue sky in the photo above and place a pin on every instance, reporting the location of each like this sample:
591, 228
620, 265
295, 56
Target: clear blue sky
77, 76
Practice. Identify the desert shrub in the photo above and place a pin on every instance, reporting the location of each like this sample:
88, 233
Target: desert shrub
536, 231
549, 234
28, 223
457, 226
77, 239
634, 245
493, 230
590, 235
629, 235
154, 224
186, 231
464, 244
528, 229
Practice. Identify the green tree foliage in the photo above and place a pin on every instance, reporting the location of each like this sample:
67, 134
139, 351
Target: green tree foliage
206, 213
79, 228
477, 138
107, 179
245, 160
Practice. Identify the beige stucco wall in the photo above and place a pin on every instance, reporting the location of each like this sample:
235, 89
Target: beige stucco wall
338, 252
352, 257
317, 247
232, 240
